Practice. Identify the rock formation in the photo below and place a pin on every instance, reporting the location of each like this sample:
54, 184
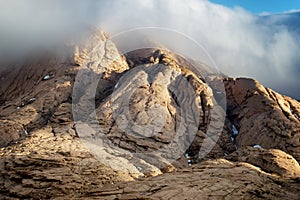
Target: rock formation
88, 122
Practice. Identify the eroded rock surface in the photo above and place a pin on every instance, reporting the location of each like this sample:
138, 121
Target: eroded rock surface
82, 123
44, 166
263, 116
217, 179
270, 160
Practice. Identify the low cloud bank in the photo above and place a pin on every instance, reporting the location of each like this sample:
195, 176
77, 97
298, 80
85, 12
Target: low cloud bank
241, 43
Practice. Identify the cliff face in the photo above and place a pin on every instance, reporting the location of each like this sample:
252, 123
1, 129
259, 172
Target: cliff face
83, 122
263, 116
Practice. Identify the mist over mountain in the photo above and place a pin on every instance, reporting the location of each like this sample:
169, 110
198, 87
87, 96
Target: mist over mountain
288, 19
241, 43
290, 23
148, 99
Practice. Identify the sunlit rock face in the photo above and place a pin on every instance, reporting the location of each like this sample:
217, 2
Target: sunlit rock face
83, 122
263, 116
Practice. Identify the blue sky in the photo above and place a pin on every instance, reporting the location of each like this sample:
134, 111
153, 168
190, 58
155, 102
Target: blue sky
261, 6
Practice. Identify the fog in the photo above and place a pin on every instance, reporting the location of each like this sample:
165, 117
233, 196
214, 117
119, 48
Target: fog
240, 43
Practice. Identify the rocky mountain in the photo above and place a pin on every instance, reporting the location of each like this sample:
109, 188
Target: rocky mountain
88, 122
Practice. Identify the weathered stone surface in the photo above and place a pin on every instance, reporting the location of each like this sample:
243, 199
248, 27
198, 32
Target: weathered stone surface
10, 131
44, 166
263, 116
155, 114
269, 160
216, 179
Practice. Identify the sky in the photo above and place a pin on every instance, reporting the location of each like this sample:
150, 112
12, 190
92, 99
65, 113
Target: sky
262, 6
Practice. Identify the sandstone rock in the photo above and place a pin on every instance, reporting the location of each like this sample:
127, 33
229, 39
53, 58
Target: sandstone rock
153, 118
269, 160
45, 166
218, 179
263, 116
10, 131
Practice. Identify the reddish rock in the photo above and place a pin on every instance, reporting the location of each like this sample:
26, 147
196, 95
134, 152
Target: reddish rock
263, 116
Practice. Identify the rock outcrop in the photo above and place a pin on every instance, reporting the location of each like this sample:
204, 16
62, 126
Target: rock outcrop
273, 161
217, 179
91, 123
263, 117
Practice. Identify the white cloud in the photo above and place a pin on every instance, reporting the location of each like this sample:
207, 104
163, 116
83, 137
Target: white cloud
241, 43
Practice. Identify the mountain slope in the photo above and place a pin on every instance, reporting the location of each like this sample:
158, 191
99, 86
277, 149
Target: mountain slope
79, 123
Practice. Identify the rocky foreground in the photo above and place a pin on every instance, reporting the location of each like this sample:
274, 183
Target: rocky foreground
167, 130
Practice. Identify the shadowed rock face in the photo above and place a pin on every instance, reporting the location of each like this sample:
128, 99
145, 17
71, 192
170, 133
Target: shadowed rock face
83, 122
